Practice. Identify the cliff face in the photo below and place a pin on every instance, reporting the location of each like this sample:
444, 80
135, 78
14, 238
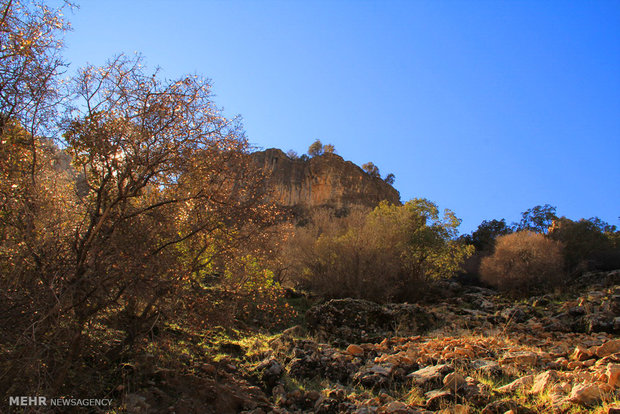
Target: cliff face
326, 180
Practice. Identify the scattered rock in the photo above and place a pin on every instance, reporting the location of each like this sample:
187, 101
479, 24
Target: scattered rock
586, 394
435, 398
489, 368
523, 359
608, 348
581, 354
543, 381
514, 315
374, 376
503, 406
520, 383
613, 374
613, 409
430, 376
270, 371
456, 409
357, 320
454, 382
355, 350
395, 407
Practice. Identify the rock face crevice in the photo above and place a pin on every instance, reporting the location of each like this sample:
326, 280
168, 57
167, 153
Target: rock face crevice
322, 181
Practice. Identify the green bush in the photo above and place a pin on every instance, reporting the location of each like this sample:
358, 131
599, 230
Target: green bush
385, 254
588, 244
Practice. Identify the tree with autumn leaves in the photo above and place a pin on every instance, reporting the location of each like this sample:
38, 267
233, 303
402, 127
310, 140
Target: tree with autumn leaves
161, 194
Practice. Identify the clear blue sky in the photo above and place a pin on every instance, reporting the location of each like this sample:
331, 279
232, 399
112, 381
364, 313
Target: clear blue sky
484, 107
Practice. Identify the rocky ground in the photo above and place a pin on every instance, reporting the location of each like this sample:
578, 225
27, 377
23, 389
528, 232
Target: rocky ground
473, 351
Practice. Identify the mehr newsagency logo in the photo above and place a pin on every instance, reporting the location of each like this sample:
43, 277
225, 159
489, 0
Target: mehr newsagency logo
40, 401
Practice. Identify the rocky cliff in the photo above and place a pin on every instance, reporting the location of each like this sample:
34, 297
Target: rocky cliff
325, 180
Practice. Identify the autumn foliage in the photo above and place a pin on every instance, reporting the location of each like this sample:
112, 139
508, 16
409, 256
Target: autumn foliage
119, 232
523, 262
388, 253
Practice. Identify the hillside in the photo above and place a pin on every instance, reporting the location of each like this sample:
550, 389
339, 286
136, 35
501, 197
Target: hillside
469, 350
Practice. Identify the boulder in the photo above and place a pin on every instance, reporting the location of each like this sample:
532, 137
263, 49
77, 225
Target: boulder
355, 350
520, 383
453, 382
543, 381
585, 394
430, 376
608, 348
436, 398
521, 358
345, 321
613, 374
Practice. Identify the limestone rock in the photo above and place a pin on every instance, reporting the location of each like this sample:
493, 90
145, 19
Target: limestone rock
520, 383
326, 180
522, 358
543, 381
585, 394
430, 375
355, 350
453, 382
435, 398
608, 348
395, 407
613, 374
346, 321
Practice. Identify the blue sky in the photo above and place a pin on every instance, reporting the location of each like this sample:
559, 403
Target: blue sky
484, 107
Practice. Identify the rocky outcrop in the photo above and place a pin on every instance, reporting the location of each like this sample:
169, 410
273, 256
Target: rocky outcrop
347, 320
325, 180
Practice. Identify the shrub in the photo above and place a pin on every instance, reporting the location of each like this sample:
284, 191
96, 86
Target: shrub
329, 149
316, 148
385, 254
522, 262
588, 244
371, 169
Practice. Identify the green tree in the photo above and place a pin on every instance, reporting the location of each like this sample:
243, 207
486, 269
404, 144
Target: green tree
588, 244
386, 254
316, 148
329, 149
390, 178
538, 219
371, 169
483, 238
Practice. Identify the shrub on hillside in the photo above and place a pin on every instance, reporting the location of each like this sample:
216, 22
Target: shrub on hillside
522, 262
385, 254
588, 244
